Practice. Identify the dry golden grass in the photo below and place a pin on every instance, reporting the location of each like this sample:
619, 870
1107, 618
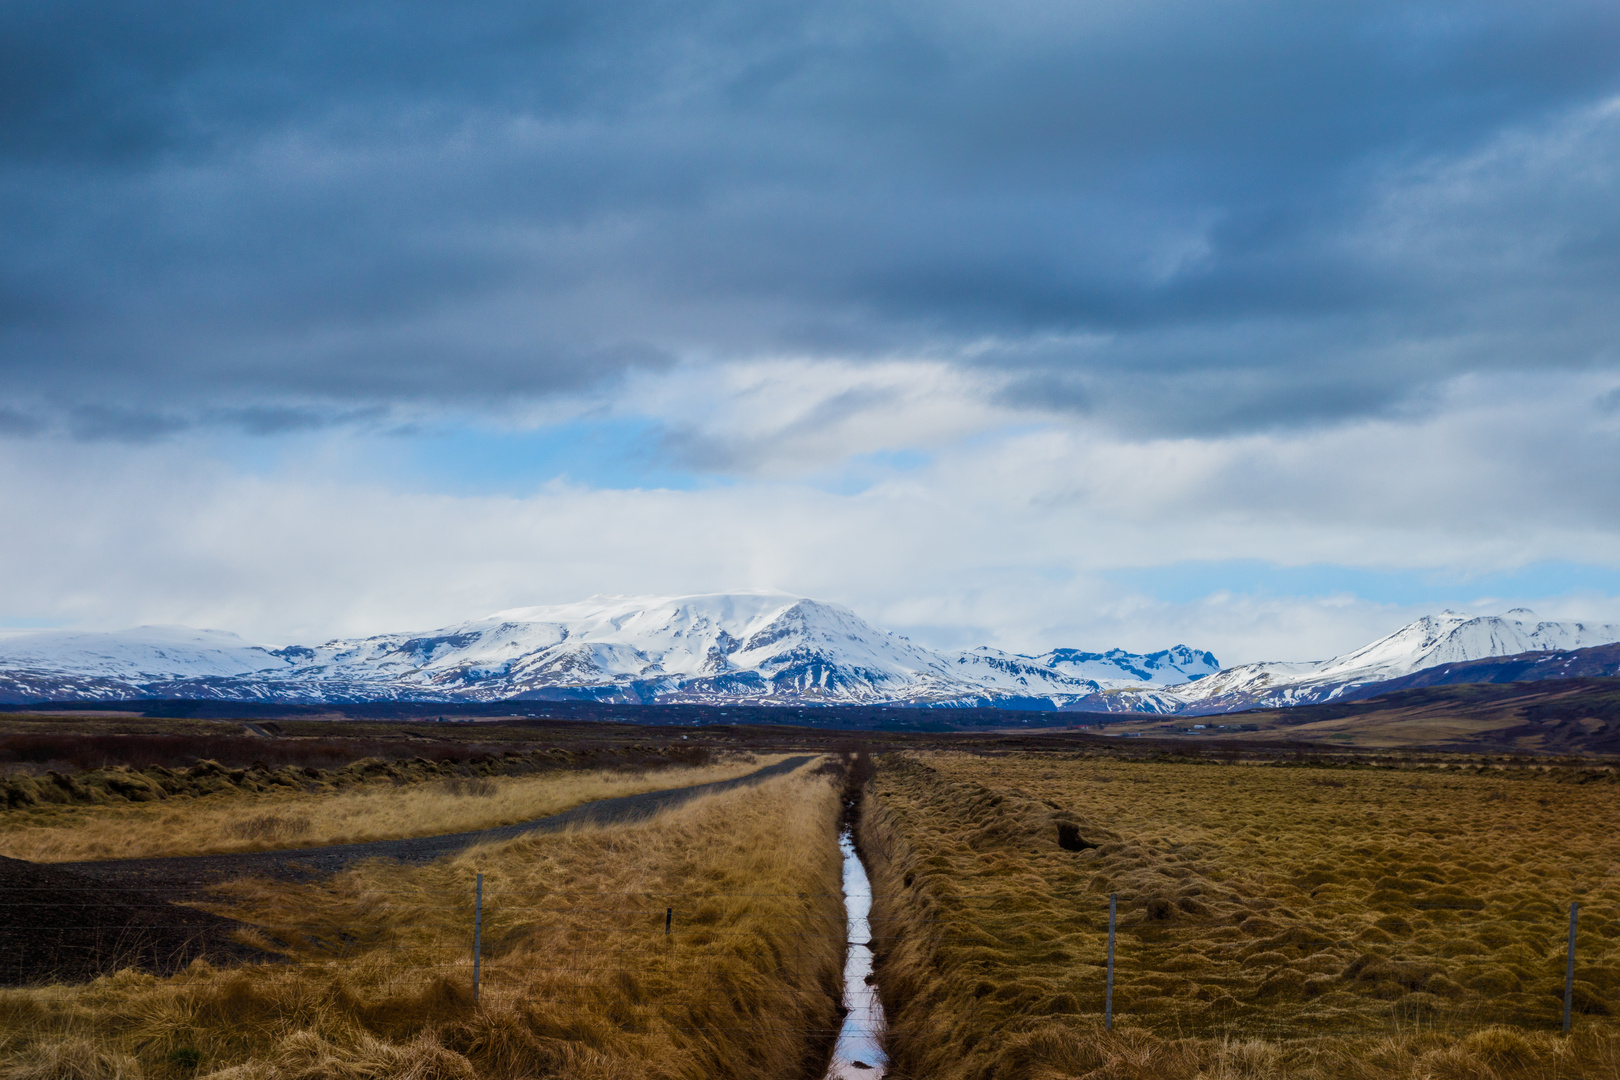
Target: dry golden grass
259, 822
579, 978
1273, 921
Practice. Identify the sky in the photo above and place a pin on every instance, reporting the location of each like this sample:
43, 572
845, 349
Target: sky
1260, 327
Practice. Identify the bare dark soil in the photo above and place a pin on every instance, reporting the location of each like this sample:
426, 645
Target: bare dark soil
57, 925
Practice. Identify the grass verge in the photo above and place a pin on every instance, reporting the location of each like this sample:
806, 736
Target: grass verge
282, 818
1273, 922
579, 979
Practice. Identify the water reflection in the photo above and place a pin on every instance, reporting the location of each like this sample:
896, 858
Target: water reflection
858, 1055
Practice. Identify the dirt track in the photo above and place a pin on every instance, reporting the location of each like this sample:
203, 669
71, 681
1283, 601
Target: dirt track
180, 876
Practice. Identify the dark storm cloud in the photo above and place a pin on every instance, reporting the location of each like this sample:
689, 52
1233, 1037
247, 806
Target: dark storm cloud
14, 422
1216, 215
98, 423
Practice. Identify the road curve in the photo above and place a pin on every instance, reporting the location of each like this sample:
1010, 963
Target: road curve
184, 873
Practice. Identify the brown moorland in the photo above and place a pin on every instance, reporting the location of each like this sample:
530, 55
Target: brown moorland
579, 978
1273, 921
1578, 716
270, 809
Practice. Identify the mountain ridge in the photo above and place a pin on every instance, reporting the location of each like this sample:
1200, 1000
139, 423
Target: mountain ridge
745, 647
1428, 642
742, 648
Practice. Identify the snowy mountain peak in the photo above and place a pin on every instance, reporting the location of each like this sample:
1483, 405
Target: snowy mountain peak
759, 647
743, 646
1116, 667
145, 652
1430, 641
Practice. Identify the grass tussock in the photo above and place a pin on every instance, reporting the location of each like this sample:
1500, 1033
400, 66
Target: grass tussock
1270, 924
579, 978
34, 782
283, 817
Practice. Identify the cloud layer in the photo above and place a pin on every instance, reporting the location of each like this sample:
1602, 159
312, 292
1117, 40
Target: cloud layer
1225, 215
1027, 537
950, 310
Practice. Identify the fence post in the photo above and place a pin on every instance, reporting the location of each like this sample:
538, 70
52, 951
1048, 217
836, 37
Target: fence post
1108, 994
669, 918
478, 932
1569, 964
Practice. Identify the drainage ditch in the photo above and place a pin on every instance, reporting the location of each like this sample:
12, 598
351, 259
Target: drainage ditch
858, 1053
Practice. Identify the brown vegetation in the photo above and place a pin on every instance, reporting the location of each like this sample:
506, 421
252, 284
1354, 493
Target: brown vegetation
1555, 716
99, 767
579, 979
370, 800
1273, 921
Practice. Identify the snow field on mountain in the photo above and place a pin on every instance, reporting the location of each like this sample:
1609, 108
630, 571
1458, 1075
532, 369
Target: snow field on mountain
146, 651
1446, 638
751, 647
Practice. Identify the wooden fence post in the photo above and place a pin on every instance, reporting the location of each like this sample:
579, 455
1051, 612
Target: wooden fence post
478, 932
1569, 963
1108, 995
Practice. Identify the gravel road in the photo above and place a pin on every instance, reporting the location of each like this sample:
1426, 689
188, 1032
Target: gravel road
180, 876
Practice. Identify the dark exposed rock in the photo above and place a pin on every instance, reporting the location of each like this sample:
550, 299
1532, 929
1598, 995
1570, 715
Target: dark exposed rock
1069, 838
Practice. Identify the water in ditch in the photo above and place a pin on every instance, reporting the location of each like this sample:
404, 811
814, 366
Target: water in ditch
858, 1054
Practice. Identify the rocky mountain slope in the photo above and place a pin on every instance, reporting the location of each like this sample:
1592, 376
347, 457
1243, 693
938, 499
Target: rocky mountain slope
740, 648
736, 647
1433, 641
1595, 662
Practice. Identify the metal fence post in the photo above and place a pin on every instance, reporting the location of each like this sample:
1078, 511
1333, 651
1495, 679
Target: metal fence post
669, 919
1108, 994
1569, 963
478, 932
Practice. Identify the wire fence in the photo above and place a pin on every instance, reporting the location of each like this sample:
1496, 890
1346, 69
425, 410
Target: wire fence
581, 948
1421, 1015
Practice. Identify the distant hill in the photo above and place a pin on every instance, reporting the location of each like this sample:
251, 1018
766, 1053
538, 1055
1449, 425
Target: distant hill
1579, 716
1449, 647
1599, 661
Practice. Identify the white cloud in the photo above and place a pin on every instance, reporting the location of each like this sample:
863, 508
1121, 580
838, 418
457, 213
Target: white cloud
1006, 537
795, 417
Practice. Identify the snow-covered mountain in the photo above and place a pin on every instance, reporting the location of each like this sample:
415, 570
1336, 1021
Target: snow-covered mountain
66, 666
730, 647
1433, 640
716, 647
150, 652
1065, 672
743, 648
